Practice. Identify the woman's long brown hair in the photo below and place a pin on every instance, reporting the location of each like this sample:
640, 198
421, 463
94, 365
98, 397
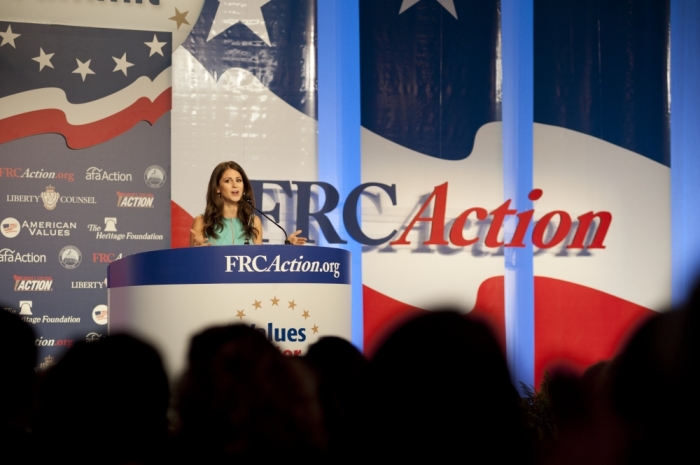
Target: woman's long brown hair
213, 213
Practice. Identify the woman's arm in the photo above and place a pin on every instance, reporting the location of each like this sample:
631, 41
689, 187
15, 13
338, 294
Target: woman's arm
257, 224
197, 233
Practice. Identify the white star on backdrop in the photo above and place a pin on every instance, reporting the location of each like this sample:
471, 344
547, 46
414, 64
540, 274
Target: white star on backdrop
156, 47
249, 13
83, 68
8, 37
122, 64
43, 59
449, 5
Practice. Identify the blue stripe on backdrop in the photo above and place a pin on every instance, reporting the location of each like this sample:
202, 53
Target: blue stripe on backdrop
685, 140
600, 69
517, 53
339, 122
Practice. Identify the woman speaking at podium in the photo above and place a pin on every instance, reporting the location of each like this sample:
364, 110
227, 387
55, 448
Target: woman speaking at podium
228, 218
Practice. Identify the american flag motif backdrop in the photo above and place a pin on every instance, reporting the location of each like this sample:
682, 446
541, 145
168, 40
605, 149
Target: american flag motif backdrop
601, 144
431, 111
85, 169
245, 90
431, 206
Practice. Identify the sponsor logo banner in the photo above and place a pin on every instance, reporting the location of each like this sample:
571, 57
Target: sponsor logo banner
89, 284
33, 283
134, 200
99, 314
110, 232
13, 256
65, 140
10, 227
46, 319
50, 198
154, 176
93, 337
49, 228
97, 174
105, 257
70, 257
37, 174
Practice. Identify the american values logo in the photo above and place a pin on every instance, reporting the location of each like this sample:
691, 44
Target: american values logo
99, 314
48, 228
97, 174
134, 200
33, 283
10, 227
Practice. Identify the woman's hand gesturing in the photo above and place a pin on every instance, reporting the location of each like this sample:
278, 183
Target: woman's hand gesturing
294, 239
198, 240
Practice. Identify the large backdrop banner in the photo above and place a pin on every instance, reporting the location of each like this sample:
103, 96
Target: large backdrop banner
114, 113
85, 166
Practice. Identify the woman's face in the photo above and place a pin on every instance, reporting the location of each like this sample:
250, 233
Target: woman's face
231, 186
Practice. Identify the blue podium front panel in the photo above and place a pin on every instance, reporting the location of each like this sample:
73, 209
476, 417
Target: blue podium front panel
232, 264
293, 295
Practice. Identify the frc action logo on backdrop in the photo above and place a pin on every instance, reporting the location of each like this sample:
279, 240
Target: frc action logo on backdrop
29, 174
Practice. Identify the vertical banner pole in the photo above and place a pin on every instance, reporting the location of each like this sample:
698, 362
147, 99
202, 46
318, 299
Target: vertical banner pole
517, 56
339, 121
685, 140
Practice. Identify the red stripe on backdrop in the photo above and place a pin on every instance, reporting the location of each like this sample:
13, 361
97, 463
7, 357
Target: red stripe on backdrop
84, 135
181, 223
576, 326
382, 315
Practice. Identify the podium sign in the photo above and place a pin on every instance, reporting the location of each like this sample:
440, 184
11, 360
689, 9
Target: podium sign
293, 295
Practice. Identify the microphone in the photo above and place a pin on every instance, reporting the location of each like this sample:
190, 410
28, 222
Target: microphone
246, 198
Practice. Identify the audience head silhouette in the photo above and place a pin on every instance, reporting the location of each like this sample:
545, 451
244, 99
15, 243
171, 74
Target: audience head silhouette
241, 399
439, 387
111, 395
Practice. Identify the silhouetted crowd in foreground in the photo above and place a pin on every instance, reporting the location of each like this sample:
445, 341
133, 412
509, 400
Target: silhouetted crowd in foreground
437, 389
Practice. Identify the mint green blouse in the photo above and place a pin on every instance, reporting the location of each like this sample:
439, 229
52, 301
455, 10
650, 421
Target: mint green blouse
232, 233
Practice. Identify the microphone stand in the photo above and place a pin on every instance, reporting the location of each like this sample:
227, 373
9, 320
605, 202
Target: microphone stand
246, 198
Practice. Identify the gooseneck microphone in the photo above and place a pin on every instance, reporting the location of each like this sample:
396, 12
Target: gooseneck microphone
246, 198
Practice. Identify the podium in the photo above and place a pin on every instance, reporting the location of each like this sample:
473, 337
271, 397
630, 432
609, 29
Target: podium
293, 295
